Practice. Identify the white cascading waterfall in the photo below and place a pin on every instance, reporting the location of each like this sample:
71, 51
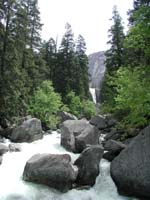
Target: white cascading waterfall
93, 94
12, 187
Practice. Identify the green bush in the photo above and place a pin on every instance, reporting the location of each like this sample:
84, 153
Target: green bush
79, 107
45, 103
89, 109
133, 96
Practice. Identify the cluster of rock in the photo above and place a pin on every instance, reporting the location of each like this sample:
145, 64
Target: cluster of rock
28, 131
12, 147
77, 134
130, 162
57, 171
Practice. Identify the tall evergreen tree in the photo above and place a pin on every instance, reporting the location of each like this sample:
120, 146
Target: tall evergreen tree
82, 88
114, 56
138, 39
20, 64
49, 53
64, 79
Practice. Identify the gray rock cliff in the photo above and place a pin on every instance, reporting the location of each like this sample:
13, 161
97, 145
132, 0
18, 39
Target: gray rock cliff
96, 68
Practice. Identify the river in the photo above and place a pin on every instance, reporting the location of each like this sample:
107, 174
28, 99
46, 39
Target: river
12, 187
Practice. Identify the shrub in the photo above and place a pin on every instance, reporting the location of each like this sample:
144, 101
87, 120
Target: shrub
45, 103
79, 107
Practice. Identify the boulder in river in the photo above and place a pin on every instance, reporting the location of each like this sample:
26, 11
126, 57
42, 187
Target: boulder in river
99, 122
29, 131
1, 160
113, 149
130, 170
3, 149
14, 147
53, 170
63, 116
88, 165
76, 134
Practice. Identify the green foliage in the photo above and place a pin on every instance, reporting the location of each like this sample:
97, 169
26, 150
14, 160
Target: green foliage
74, 104
131, 102
89, 109
80, 108
45, 103
133, 96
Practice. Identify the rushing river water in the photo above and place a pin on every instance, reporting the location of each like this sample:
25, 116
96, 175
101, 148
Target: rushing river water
12, 187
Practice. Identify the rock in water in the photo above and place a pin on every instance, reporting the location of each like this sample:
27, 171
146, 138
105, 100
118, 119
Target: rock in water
29, 131
99, 122
63, 116
113, 149
3, 149
88, 165
53, 170
76, 134
131, 169
1, 160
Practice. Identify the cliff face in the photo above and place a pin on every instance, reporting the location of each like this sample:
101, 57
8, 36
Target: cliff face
96, 69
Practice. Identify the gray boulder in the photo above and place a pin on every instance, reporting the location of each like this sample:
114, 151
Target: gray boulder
63, 116
114, 146
53, 170
113, 149
90, 135
3, 149
114, 134
88, 165
29, 131
14, 147
131, 169
6, 133
99, 122
76, 134
1, 160
110, 121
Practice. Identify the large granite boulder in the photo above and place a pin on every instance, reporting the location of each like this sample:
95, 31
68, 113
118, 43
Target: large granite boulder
113, 149
29, 131
63, 116
88, 165
76, 134
90, 135
53, 170
6, 133
131, 169
3, 149
99, 122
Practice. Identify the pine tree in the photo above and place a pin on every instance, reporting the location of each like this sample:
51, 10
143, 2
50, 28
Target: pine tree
138, 41
49, 53
114, 56
82, 88
64, 75
132, 81
20, 64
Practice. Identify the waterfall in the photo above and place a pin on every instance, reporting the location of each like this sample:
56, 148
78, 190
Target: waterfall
14, 188
93, 94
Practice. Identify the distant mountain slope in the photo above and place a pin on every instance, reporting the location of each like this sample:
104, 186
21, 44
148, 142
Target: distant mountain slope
96, 68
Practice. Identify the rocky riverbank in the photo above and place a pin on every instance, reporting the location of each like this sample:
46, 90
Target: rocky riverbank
94, 139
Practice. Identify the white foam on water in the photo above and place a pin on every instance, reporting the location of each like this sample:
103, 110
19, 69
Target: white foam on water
12, 187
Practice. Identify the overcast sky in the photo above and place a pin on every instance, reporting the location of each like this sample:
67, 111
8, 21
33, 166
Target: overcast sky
90, 18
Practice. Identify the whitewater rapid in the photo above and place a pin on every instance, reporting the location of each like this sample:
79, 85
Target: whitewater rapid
12, 187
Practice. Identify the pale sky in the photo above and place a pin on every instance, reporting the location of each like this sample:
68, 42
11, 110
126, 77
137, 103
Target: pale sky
90, 18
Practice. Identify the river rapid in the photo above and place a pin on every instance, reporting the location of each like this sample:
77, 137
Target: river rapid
12, 187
